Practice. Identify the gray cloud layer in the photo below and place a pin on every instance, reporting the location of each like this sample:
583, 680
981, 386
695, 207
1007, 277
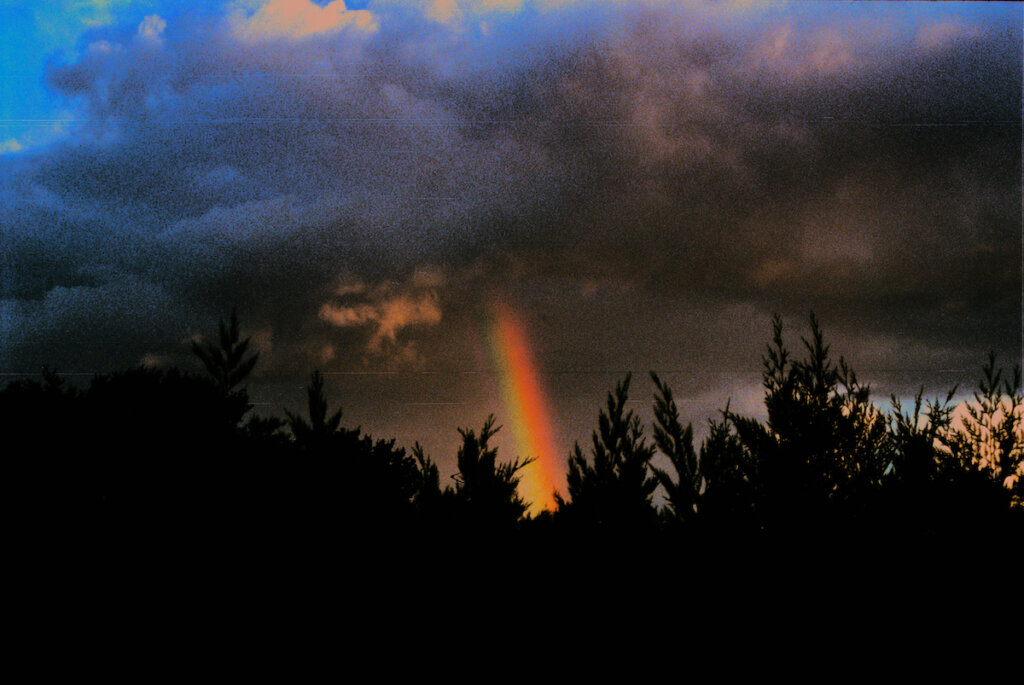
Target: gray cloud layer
650, 183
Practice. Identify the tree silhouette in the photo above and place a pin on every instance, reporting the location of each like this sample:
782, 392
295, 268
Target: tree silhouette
991, 435
729, 495
428, 498
226, 360
675, 442
317, 433
917, 492
917, 435
824, 445
485, 489
161, 455
167, 449
47, 469
616, 490
347, 480
229, 363
712, 485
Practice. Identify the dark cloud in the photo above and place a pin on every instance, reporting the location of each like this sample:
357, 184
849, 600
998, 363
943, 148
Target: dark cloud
649, 182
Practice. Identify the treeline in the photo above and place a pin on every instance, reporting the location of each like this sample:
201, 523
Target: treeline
161, 453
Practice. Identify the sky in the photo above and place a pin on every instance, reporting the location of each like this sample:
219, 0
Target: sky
455, 208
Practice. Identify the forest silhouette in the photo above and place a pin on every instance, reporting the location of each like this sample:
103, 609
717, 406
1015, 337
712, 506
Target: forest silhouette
165, 454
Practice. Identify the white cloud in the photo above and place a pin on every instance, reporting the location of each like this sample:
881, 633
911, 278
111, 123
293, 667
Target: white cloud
152, 28
103, 47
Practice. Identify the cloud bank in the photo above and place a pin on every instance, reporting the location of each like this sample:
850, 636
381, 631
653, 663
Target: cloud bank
650, 180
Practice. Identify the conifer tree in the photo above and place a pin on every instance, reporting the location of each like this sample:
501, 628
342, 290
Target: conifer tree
712, 485
729, 476
317, 432
676, 443
616, 487
917, 437
226, 360
991, 435
485, 488
229, 363
824, 443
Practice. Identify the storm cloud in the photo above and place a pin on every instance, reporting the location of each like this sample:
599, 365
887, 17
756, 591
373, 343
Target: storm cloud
649, 181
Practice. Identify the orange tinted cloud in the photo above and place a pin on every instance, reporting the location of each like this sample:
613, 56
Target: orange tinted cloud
941, 34
834, 49
296, 19
386, 310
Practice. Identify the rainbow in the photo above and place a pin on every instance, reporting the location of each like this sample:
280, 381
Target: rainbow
527, 408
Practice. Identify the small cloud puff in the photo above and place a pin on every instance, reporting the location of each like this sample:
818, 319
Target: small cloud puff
798, 54
297, 19
152, 28
105, 47
443, 11
941, 34
452, 11
388, 309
